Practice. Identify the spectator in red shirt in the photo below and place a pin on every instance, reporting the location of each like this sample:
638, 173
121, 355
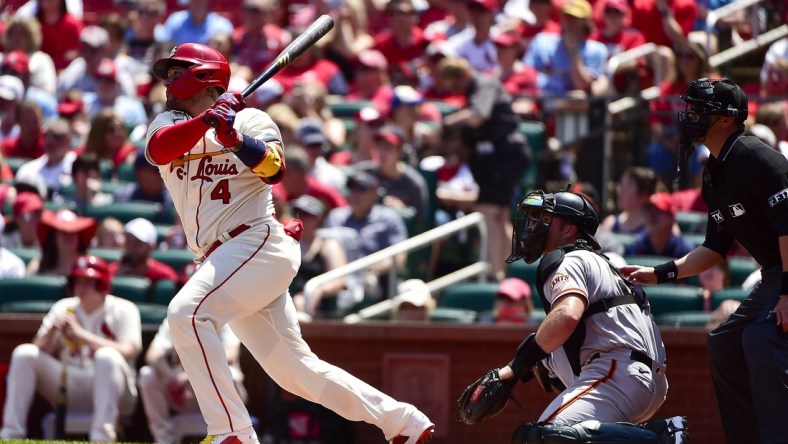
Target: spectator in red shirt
107, 139
619, 38
141, 240
404, 41
311, 67
517, 78
362, 142
457, 20
543, 12
664, 22
372, 80
776, 83
299, 181
29, 143
258, 40
60, 32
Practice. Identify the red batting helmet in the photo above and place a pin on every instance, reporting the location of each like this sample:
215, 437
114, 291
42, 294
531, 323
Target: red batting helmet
92, 267
205, 68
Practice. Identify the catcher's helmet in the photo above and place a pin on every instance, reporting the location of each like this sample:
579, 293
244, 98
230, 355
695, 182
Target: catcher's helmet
205, 68
92, 267
530, 230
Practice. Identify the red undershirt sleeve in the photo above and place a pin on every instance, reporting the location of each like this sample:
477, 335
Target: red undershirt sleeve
169, 143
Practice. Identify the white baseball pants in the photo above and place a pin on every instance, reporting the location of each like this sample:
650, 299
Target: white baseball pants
102, 390
244, 283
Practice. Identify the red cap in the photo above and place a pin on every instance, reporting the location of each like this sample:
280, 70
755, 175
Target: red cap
107, 69
514, 289
506, 39
618, 5
391, 134
68, 222
18, 61
490, 5
663, 202
69, 107
27, 202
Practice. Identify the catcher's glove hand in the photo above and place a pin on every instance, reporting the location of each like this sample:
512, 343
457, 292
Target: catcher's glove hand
484, 398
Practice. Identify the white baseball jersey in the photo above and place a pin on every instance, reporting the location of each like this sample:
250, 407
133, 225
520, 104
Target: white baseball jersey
117, 319
626, 326
213, 191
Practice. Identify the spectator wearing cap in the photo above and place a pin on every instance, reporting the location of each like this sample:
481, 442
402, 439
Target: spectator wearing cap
72, 109
141, 240
55, 165
664, 22
29, 143
518, 80
259, 39
569, 61
319, 254
310, 135
87, 184
196, 24
63, 237
404, 186
16, 63
618, 37
457, 20
362, 144
410, 113
11, 265
413, 303
146, 27
499, 152
312, 67
60, 31
543, 12
24, 34
299, 181
374, 228
475, 45
12, 91
513, 303
22, 229
659, 239
775, 116
371, 80
108, 141
81, 74
109, 96
404, 40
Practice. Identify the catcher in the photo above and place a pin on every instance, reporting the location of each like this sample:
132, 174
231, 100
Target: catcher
598, 347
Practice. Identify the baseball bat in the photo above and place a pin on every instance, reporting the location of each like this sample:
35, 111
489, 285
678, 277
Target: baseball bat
62, 393
313, 33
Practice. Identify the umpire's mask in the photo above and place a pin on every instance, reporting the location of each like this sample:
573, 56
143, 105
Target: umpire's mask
531, 226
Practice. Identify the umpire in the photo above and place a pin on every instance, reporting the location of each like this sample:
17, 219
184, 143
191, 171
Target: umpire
745, 185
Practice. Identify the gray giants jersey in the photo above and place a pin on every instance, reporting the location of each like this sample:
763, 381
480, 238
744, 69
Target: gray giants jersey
588, 275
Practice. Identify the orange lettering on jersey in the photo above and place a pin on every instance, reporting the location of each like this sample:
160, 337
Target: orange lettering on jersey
207, 168
559, 280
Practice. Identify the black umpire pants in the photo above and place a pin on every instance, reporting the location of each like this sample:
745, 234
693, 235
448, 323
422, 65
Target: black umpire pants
748, 355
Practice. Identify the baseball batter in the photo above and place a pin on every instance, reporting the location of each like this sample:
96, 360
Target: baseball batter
598, 337
219, 161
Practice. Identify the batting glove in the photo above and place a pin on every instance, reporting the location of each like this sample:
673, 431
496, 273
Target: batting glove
233, 100
222, 118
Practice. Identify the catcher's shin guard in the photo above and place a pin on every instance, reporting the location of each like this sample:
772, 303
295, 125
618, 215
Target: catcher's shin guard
586, 432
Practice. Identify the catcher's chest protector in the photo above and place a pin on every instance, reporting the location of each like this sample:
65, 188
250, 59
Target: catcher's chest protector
632, 295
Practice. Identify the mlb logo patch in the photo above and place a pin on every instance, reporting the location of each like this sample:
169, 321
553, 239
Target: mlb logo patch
736, 210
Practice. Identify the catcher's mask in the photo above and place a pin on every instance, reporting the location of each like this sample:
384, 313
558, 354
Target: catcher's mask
705, 98
537, 210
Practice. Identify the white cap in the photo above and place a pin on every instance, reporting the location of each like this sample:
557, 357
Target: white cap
414, 291
764, 133
11, 88
143, 230
94, 36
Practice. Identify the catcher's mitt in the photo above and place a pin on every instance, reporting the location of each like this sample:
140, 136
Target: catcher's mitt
485, 398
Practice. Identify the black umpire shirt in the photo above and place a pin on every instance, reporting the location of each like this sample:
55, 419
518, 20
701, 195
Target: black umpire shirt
746, 188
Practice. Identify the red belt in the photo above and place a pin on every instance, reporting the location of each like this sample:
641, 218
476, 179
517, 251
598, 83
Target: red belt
231, 234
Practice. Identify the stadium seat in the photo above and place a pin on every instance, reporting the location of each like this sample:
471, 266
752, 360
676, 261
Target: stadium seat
736, 293
453, 315
176, 258
133, 288
695, 239
520, 269
162, 231
163, 291
26, 307
477, 296
688, 221
647, 261
151, 314
444, 107
740, 268
684, 319
15, 162
346, 109
54, 206
669, 298
46, 287
105, 169
126, 211
126, 172
108, 254
25, 253
625, 239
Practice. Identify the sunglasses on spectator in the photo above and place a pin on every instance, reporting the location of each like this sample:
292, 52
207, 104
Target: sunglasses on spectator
149, 12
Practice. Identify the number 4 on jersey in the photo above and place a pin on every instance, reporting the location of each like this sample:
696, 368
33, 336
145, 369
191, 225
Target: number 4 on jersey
221, 191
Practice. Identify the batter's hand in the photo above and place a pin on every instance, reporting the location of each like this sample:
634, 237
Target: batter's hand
781, 312
222, 118
234, 100
639, 275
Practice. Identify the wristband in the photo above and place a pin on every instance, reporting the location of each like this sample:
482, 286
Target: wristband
528, 354
784, 285
667, 272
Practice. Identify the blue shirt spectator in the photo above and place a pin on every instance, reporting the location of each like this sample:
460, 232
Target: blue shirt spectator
549, 56
181, 27
659, 238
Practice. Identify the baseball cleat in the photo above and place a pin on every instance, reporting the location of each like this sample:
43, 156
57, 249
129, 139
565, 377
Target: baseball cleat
677, 430
245, 436
418, 431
